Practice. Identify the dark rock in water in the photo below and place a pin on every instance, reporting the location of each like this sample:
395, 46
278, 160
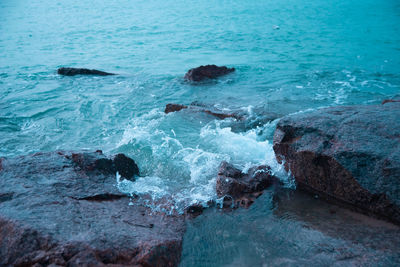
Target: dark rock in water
97, 162
220, 116
53, 213
241, 189
1, 166
174, 108
350, 155
80, 71
177, 107
207, 72
125, 166
389, 101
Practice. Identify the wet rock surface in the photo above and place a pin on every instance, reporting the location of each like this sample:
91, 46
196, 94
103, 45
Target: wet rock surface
81, 71
207, 72
64, 209
346, 154
241, 189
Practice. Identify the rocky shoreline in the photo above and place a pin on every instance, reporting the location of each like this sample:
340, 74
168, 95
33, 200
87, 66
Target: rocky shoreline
64, 208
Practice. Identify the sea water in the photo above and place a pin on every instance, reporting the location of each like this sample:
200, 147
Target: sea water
289, 55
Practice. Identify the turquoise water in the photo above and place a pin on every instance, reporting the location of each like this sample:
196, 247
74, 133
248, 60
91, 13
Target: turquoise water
290, 55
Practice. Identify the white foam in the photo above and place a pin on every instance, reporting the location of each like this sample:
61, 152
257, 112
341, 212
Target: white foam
200, 163
151, 185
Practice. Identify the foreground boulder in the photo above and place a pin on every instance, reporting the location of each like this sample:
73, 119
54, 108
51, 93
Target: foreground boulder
350, 155
64, 209
207, 72
80, 71
241, 189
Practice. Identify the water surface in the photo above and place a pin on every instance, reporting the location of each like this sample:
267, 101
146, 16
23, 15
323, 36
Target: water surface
290, 56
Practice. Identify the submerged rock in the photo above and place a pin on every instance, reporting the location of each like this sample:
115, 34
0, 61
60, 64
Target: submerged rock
80, 71
177, 107
64, 210
241, 189
389, 101
207, 72
350, 155
378, 239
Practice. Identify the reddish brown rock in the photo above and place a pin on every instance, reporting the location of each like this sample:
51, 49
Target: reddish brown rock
350, 155
207, 72
55, 213
241, 189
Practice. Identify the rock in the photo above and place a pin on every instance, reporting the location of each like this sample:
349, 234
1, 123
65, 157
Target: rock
97, 162
57, 209
174, 108
350, 155
389, 101
177, 107
80, 71
241, 189
207, 72
125, 166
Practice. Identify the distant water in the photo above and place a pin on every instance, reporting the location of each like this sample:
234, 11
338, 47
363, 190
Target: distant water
290, 56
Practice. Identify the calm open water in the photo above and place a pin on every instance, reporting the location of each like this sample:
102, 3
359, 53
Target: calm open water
290, 56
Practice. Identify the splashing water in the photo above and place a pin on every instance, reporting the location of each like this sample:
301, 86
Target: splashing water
183, 166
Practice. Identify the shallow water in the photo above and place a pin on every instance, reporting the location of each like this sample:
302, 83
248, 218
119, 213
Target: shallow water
290, 56
290, 229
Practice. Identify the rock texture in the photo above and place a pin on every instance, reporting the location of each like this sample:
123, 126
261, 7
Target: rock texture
241, 189
80, 71
63, 209
207, 72
346, 154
